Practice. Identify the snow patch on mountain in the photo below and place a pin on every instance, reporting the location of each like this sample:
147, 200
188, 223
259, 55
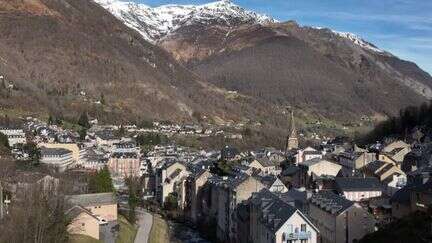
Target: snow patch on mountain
155, 23
355, 39
358, 41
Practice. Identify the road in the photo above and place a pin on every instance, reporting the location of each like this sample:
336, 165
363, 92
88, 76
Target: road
145, 221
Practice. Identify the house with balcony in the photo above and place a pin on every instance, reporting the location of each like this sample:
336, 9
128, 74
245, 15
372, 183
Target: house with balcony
274, 220
338, 219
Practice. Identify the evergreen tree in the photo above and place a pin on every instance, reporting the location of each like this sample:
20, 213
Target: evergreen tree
83, 133
83, 120
50, 120
102, 99
101, 182
33, 152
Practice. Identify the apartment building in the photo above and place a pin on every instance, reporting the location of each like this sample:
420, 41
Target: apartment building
338, 219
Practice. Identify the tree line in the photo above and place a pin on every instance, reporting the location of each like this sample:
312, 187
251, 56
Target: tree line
402, 125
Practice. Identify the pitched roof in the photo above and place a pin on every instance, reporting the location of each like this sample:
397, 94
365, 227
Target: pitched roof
402, 196
54, 151
290, 170
375, 165
358, 183
267, 180
125, 155
77, 210
274, 211
331, 202
92, 199
265, 162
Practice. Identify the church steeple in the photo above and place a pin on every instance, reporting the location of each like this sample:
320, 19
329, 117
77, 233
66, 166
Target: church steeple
292, 141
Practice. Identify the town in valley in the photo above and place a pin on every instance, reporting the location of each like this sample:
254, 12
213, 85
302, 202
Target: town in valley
139, 122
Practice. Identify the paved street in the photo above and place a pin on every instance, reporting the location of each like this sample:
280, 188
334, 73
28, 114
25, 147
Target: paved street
145, 223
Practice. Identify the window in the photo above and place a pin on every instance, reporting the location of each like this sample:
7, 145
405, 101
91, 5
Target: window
303, 228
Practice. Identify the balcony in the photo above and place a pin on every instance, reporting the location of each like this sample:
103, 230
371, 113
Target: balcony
298, 236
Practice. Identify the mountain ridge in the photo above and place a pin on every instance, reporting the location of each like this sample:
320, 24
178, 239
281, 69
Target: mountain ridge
158, 22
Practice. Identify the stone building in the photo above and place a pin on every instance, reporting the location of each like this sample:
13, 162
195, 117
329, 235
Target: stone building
339, 220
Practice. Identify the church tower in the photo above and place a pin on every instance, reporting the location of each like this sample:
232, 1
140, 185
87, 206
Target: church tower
292, 142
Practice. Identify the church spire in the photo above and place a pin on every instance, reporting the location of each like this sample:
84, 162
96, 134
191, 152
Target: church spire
292, 141
293, 128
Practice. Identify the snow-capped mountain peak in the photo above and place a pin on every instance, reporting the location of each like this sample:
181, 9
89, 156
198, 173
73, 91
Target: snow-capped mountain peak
155, 23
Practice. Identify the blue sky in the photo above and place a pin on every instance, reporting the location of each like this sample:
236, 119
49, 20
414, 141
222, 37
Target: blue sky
402, 27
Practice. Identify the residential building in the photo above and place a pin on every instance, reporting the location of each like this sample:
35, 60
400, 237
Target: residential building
231, 192
170, 178
358, 188
339, 220
59, 158
273, 183
307, 154
124, 165
389, 175
14, 135
230, 153
274, 221
266, 166
94, 215
415, 196
315, 168
78, 150
355, 161
195, 193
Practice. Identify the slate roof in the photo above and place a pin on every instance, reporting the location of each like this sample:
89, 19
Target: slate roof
331, 202
54, 151
85, 200
196, 170
77, 210
402, 196
125, 155
267, 180
375, 165
290, 170
358, 184
274, 211
265, 162
230, 182
106, 135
